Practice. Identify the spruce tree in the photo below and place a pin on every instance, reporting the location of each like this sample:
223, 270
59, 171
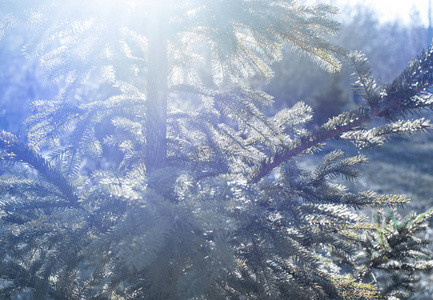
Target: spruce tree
121, 191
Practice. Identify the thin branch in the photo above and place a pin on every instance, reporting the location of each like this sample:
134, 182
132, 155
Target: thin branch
312, 139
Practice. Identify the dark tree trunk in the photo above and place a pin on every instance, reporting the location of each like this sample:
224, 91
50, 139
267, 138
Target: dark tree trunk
156, 104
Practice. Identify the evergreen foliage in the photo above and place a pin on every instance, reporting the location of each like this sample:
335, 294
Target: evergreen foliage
224, 209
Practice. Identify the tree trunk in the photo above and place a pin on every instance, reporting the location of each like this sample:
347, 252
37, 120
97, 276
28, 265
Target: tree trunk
156, 104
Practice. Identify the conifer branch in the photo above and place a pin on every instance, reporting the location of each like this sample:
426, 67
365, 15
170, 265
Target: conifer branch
17, 151
325, 132
11, 269
404, 94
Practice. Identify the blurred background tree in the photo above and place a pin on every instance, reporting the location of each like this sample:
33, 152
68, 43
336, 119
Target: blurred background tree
388, 47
